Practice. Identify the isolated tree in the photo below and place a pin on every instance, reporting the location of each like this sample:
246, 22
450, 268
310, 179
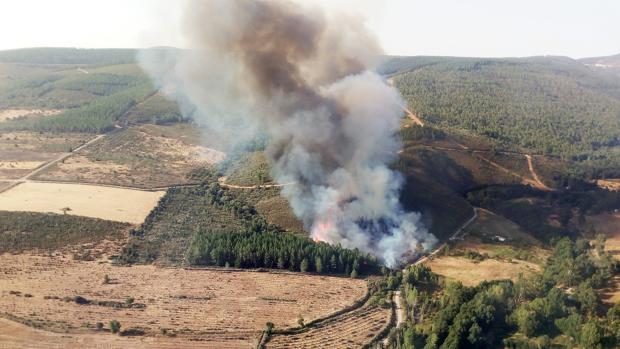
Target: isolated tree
115, 326
66, 209
318, 265
106, 279
300, 321
269, 326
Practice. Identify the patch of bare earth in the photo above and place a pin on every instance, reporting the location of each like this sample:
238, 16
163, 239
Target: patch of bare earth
176, 308
609, 184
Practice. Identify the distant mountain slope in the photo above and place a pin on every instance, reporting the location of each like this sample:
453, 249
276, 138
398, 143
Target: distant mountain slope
550, 105
604, 62
53, 55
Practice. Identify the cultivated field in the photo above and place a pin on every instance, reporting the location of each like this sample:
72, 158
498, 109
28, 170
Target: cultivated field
200, 308
144, 156
115, 204
351, 330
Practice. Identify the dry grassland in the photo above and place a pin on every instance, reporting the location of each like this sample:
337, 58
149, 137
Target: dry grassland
200, 308
21, 152
608, 224
141, 156
115, 204
609, 184
9, 114
471, 273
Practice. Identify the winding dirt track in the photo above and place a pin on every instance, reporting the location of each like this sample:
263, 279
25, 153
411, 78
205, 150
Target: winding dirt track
222, 182
537, 181
45, 166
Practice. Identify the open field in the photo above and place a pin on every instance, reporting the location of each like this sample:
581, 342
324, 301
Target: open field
115, 204
8, 114
350, 330
145, 156
608, 224
22, 152
492, 248
205, 308
471, 273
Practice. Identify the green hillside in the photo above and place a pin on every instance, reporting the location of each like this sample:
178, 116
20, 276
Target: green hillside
75, 56
547, 105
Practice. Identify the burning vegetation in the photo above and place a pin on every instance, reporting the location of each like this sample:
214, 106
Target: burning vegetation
304, 80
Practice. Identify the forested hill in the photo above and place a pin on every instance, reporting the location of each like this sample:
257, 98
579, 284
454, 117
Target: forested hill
78, 56
607, 61
550, 105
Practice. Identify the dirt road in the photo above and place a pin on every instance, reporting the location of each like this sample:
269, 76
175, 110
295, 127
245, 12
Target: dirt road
538, 183
222, 182
48, 164
454, 236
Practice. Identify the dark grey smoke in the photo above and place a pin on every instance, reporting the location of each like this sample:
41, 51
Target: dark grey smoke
306, 80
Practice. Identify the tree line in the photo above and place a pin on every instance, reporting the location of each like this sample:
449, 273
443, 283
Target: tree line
558, 307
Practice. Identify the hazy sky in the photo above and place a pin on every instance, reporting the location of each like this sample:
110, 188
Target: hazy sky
576, 28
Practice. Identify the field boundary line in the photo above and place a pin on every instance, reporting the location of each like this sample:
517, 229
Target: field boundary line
358, 304
393, 323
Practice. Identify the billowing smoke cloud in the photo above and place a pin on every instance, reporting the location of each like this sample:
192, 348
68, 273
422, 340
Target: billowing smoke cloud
305, 80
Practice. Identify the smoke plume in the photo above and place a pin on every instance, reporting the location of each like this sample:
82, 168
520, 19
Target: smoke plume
305, 80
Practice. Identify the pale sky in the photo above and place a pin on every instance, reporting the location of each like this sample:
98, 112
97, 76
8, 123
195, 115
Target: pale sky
490, 28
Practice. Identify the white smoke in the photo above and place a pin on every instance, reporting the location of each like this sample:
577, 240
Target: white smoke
306, 81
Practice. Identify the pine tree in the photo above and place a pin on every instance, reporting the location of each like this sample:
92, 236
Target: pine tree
303, 267
318, 265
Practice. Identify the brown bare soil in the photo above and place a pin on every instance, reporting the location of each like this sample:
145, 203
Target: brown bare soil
471, 273
609, 184
141, 156
350, 330
115, 204
201, 308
